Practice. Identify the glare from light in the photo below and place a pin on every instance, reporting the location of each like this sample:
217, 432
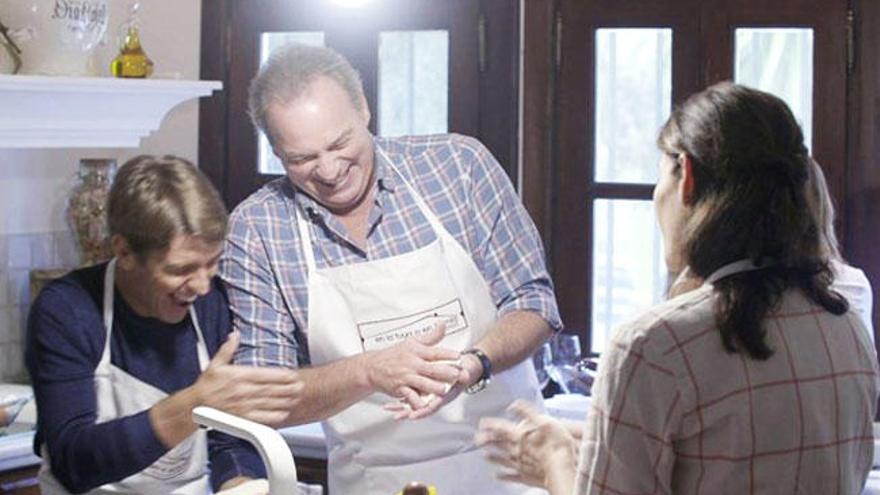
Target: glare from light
351, 3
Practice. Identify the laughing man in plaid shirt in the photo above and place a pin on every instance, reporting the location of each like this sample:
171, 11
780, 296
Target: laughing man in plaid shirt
759, 379
396, 274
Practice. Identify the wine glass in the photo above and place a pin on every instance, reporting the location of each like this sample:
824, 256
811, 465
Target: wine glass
543, 360
580, 377
566, 354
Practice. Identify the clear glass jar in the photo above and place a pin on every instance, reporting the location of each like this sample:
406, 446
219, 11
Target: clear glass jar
87, 209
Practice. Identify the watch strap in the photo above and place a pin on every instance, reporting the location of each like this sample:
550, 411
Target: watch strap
486, 375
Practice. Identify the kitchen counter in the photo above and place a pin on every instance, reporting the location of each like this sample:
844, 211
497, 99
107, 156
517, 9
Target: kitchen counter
17, 451
872, 486
306, 441
16, 441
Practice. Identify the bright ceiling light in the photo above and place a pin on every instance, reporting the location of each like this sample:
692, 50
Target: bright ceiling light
351, 3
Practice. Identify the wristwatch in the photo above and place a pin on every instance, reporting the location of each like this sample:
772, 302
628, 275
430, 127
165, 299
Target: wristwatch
485, 377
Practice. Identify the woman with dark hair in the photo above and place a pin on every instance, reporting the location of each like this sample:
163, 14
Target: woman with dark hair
759, 380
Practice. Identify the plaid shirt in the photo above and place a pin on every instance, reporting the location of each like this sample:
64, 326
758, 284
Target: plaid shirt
265, 269
673, 412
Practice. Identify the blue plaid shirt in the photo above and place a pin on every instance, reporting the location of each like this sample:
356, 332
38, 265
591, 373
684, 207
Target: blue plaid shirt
265, 269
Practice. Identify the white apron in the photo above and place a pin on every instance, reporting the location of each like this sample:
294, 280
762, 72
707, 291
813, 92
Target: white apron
182, 470
376, 304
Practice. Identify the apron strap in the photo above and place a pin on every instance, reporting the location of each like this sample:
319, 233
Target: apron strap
201, 347
303, 226
740, 266
305, 234
109, 287
435, 222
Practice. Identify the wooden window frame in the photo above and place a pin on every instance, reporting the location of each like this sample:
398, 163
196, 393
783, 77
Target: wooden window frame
573, 198
550, 190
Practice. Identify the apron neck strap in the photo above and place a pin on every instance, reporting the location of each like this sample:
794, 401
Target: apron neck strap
302, 224
420, 202
201, 347
745, 265
109, 286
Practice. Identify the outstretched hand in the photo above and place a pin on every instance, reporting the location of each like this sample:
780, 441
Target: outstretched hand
528, 449
264, 395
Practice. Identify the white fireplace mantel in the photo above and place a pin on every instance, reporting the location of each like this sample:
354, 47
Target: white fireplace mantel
88, 112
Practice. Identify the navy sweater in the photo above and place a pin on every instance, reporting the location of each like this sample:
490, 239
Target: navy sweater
65, 339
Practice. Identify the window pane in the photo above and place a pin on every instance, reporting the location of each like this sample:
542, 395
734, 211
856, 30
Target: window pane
629, 273
633, 99
779, 61
268, 162
413, 82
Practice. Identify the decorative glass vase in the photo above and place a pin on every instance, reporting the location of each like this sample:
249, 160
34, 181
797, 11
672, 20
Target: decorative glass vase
10, 53
56, 37
87, 209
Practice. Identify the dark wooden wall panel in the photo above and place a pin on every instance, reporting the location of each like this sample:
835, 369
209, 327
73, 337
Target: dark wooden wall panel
862, 197
212, 110
538, 114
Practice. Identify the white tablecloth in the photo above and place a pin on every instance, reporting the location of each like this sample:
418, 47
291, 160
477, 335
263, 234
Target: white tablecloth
872, 487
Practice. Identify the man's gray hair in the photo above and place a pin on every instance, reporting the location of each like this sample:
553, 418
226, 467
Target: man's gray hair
289, 71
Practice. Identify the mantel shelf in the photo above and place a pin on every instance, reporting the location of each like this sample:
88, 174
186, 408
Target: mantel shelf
88, 112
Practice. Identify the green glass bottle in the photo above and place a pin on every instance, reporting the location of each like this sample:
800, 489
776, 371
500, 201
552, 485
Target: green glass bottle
131, 61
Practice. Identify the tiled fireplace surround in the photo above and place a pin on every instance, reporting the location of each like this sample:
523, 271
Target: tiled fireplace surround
19, 254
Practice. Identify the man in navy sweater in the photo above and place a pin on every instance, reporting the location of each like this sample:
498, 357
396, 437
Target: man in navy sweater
120, 353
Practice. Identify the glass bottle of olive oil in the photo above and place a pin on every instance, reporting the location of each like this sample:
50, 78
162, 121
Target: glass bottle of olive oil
131, 61
418, 489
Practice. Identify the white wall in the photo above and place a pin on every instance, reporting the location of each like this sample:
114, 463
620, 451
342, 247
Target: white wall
34, 183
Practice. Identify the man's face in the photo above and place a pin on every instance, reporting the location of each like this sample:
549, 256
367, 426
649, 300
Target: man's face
322, 139
167, 283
